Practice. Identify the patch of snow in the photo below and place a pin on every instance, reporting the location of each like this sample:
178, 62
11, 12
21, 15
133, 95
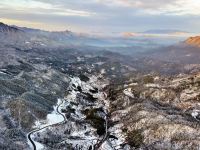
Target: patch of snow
99, 63
133, 84
37, 124
151, 85
195, 113
113, 68
52, 118
39, 145
79, 59
156, 78
2, 72
128, 93
86, 134
42, 44
103, 71
120, 138
106, 146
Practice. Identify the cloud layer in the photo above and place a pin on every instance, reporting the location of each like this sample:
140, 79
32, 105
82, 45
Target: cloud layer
103, 15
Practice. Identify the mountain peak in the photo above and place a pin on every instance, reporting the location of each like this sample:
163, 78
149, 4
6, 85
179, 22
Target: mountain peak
7, 29
195, 41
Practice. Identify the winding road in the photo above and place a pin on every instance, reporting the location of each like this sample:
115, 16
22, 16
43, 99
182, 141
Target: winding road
37, 130
95, 146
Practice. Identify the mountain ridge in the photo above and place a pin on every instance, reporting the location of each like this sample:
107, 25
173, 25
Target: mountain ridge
193, 41
164, 31
4, 28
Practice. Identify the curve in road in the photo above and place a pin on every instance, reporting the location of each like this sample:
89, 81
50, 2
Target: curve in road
36, 130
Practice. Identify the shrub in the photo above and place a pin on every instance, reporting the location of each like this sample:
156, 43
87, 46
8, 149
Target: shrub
135, 138
97, 121
148, 79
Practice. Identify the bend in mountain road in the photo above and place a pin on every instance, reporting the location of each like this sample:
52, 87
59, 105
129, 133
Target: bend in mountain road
34, 146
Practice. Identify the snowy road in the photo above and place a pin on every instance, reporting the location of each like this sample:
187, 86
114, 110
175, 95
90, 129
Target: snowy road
85, 133
34, 145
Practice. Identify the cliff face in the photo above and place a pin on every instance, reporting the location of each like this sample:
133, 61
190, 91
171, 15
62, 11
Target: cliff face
195, 41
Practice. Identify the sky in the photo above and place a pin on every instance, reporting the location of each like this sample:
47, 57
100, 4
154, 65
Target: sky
102, 16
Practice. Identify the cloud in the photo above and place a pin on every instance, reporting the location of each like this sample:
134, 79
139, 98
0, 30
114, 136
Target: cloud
145, 7
41, 7
104, 15
145, 4
170, 7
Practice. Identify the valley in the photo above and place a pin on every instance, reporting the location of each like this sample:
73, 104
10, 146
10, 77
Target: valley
56, 95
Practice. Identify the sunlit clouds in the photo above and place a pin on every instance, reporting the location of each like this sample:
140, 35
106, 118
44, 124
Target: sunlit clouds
103, 15
170, 7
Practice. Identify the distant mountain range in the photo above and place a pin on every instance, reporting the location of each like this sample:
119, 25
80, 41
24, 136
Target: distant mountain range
165, 31
125, 43
4, 28
157, 33
13, 28
13, 34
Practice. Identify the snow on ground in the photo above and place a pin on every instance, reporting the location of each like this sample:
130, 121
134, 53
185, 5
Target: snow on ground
113, 68
128, 93
27, 42
151, 85
195, 113
80, 59
117, 132
103, 71
39, 146
106, 146
114, 144
86, 133
99, 63
53, 118
2, 72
